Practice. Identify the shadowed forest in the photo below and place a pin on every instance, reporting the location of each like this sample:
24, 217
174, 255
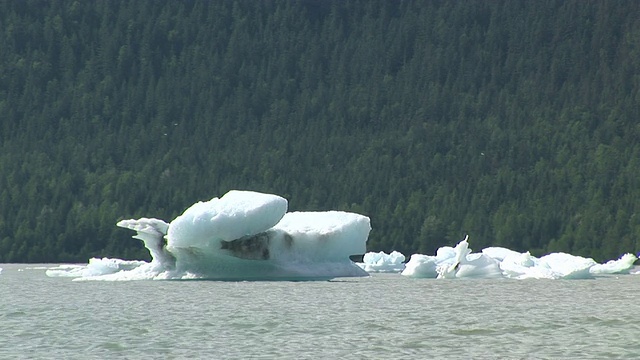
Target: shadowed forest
516, 122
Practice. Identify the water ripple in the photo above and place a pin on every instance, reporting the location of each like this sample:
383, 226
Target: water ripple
384, 316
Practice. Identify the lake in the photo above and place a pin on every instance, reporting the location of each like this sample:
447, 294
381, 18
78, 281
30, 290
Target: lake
385, 316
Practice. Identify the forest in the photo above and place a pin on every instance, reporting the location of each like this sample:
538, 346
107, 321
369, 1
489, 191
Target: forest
515, 122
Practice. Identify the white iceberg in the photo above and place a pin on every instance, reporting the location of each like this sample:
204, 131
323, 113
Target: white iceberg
426, 266
468, 265
567, 266
94, 268
421, 266
381, 262
243, 235
561, 266
500, 253
524, 266
620, 266
451, 262
496, 262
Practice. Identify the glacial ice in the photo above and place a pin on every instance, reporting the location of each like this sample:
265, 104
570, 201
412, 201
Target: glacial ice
382, 262
243, 235
246, 235
497, 262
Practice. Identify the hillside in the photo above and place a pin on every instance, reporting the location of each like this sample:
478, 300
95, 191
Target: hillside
514, 122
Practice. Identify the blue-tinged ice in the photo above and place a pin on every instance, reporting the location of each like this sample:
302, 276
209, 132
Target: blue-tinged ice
496, 262
95, 267
243, 235
381, 262
621, 266
468, 265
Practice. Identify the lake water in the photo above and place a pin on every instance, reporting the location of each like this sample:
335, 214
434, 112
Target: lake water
385, 316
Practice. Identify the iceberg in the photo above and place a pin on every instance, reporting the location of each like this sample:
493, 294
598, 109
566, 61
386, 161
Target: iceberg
450, 263
567, 266
468, 265
95, 267
524, 266
497, 262
421, 266
381, 262
620, 266
244, 235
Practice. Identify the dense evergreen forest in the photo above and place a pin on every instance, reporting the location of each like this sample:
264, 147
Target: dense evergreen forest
516, 122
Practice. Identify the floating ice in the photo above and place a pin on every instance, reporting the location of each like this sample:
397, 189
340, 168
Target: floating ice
500, 253
421, 266
466, 264
243, 235
567, 266
451, 262
94, 268
236, 214
381, 262
495, 262
620, 266
523, 266
246, 235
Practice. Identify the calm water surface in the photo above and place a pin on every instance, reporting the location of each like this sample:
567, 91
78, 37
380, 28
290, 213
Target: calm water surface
380, 317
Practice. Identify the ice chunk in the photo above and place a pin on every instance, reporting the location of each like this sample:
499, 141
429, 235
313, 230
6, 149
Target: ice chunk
244, 235
451, 262
329, 235
620, 266
496, 262
236, 214
421, 266
499, 253
468, 265
152, 233
381, 262
94, 268
524, 266
567, 266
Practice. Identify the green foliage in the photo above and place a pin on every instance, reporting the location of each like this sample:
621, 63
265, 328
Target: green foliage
513, 122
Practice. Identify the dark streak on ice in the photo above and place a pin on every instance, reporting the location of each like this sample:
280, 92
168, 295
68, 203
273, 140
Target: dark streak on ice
251, 247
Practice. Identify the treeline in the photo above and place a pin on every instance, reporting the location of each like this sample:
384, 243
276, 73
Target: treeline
515, 122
